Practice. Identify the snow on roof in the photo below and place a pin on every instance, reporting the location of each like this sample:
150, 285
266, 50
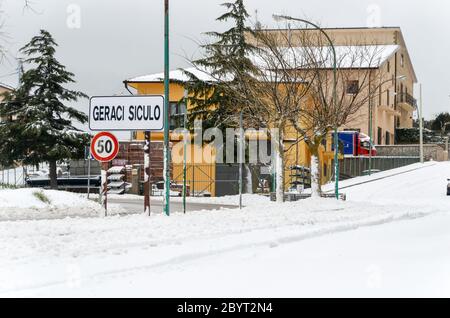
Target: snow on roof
177, 75
6, 86
371, 56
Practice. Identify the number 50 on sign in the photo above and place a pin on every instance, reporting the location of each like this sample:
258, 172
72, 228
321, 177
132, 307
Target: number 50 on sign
104, 147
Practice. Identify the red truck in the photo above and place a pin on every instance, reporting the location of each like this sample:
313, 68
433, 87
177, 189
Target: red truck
356, 144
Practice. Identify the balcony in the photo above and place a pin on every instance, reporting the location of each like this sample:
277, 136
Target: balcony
407, 102
389, 110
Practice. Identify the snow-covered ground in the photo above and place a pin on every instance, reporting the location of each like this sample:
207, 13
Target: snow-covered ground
25, 204
307, 248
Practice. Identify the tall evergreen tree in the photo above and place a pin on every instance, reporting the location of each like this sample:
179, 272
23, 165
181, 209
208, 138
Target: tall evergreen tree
441, 123
226, 60
38, 125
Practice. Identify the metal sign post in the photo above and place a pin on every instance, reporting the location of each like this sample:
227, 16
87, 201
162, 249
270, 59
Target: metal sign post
241, 157
166, 111
147, 173
88, 157
104, 186
104, 148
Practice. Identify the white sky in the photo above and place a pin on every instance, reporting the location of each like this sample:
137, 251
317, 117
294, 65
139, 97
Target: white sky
119, 39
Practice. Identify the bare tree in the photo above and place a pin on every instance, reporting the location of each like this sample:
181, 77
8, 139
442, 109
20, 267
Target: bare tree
274, 96
358, 82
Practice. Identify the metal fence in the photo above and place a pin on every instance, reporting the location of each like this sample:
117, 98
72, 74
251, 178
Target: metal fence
12, 176
209, 179
16, 177
351, 167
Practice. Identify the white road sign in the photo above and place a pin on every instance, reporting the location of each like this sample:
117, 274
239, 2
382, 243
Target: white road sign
126, 113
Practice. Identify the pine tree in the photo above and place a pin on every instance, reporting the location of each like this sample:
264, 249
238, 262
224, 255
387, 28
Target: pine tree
38, 122
226, 59
441, 123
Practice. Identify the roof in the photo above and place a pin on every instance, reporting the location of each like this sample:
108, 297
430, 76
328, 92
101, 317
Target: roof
348, 57
336, 28
371, 56
177, 75
6, 86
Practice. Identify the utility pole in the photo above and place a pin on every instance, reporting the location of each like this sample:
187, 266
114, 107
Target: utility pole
166, 111
241, 157
421, 126
184, 150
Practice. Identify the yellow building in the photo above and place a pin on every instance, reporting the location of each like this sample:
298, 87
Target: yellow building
202, 173
392, 109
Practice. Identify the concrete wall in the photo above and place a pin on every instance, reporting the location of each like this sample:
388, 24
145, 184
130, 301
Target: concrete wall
436, 152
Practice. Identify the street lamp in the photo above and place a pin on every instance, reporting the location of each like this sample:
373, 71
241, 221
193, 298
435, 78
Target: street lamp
277, 17
421, 126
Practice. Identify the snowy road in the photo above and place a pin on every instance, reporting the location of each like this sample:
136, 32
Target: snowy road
404, 259
392, 238
135, 206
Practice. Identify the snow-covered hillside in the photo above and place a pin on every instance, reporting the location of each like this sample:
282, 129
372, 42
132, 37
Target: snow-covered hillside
304, 248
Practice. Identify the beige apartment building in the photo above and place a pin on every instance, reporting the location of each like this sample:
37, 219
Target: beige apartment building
3, 89
393, 105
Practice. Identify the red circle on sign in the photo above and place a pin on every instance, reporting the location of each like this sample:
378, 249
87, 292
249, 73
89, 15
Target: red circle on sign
111, 155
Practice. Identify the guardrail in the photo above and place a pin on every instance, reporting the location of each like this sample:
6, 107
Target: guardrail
74, 184
351, 167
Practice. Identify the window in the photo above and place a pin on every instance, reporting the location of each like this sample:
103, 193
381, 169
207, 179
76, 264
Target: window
365, 145
402, 60
389, 67
388, 138
352, 87
379, 135
177, 112
388, 99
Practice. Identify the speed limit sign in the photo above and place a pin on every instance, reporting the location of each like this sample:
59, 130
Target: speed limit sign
104, 147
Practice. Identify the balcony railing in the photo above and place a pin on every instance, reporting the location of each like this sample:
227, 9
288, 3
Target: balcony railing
407, 99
